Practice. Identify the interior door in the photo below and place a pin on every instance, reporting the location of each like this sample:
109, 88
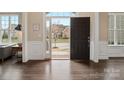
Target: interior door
80, 38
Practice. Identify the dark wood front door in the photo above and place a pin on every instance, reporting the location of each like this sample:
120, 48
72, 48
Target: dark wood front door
80, 38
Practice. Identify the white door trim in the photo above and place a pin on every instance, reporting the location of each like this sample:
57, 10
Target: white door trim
95, 43
24, 37
96, 38
44, 34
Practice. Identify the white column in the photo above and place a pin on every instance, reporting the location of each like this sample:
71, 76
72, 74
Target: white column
96, 38
25, 36
44, 35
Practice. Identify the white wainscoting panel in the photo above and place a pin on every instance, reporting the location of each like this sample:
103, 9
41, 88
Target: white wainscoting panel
103, 50
116, 51
106, 51
35, 50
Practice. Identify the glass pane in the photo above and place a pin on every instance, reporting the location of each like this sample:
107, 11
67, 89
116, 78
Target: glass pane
14, 20
5, 18
111, 22
12, 17
16, 36
111, 37
5, 36
120, 37
60, 13
118, 22
122, 21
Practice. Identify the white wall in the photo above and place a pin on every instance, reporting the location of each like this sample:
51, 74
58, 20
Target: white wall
35, 38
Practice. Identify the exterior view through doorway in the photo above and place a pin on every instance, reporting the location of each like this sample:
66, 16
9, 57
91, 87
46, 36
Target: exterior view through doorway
58, 34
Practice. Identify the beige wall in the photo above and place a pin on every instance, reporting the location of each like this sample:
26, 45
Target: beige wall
35, 18
103, 26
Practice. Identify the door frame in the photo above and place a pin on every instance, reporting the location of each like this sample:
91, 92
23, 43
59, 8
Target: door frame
50, 19
94, 44
24, 37
50, 46
44, 33
96, 37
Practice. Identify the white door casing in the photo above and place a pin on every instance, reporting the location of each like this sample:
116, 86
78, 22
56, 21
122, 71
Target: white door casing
24, 37
94, 44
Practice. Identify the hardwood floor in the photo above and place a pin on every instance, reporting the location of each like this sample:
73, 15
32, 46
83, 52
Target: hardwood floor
112, 69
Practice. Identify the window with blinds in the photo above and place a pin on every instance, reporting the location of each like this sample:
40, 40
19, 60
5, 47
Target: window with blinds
116, 29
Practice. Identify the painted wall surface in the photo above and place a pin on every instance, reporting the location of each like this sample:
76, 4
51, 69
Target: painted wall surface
35, 38
35, 18
103, 26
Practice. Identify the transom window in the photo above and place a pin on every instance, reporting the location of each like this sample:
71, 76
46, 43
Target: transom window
65, 14
8, 34
116, 29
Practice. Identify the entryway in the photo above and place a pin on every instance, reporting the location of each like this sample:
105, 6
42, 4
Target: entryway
60, 38
67, 37
58, 34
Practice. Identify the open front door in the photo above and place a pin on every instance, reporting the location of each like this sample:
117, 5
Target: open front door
80, 38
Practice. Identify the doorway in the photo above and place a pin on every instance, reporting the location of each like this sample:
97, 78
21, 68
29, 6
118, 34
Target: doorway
68, 37
58, 34
58, 31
